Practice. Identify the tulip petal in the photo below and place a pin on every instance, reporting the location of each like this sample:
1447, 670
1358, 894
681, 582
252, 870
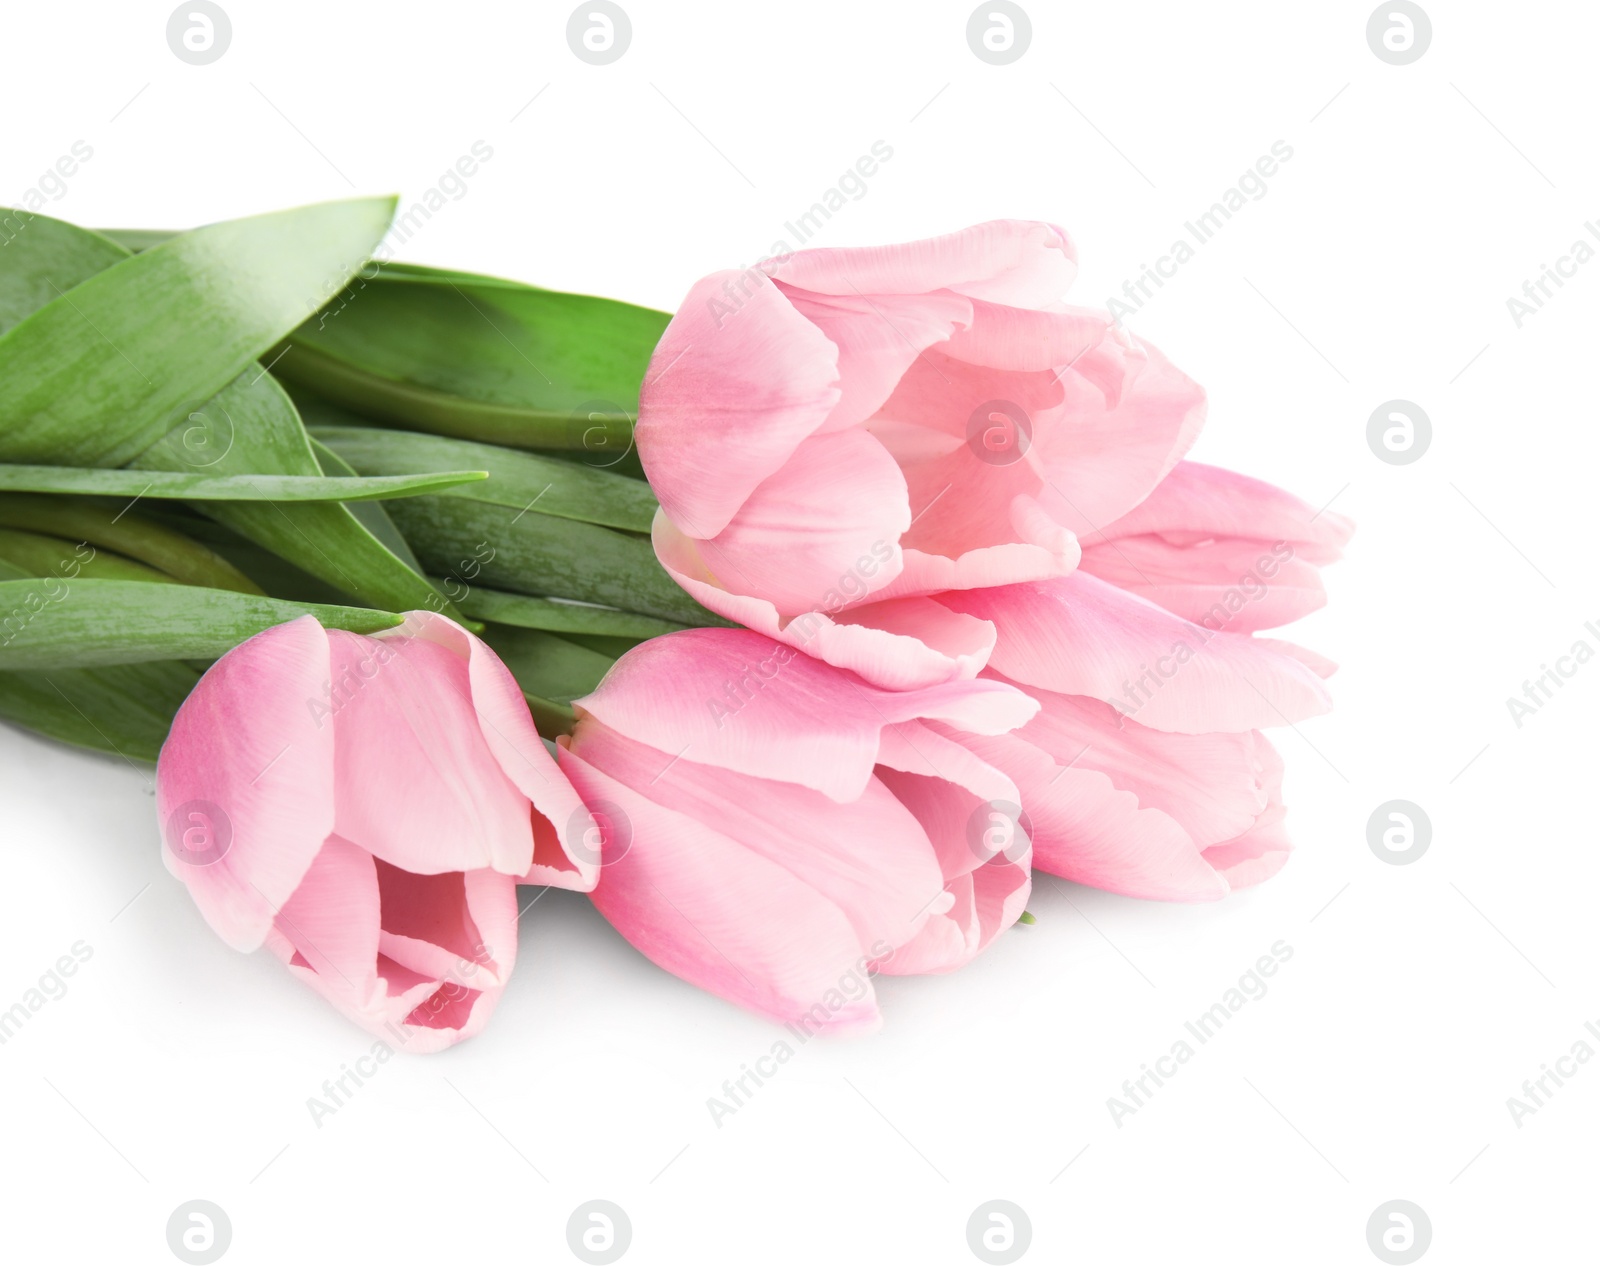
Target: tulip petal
820, 533
903, 645
509, 732
868, 857
878, 337
1081, 636
726, 919
735, 699
247, 750
1023, 262
417, 783
738, 380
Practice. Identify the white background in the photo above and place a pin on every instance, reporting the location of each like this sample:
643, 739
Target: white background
1377, 266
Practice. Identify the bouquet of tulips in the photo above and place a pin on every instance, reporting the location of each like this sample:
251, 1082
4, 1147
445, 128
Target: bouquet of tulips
797, 628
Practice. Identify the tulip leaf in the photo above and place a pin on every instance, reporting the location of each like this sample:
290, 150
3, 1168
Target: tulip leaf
43, 258
198, 486
524, 612
542, 555
123, 709
517, 481
252, 428
57, 623
104, 370
480, 358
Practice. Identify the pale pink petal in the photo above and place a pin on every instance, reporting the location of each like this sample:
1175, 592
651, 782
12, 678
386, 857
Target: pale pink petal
1213, 785
417, 783
1197, 502
999, 336
1023, 262
1081, 636
738, 379
878, 337
1258, 854
732, 698
724, 918
1087, 830
987, 890
509, 732
869, 857
820, 533
915, 646
247, 773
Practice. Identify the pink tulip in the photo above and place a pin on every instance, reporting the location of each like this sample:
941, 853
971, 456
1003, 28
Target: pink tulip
840, 434
1144, 771
365, 807
777, 831
1220, 549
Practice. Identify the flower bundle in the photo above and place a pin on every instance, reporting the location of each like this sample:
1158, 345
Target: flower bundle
797, 628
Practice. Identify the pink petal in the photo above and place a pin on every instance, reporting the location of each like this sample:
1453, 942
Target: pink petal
988, 891
1197, 502
735, 385
1087, 830
1023, 262
1213, 785
1081, 636
732, 698
726, 919
247, 770
883, 887
417, 784
902, 645
820, 533
878, 337
508, 730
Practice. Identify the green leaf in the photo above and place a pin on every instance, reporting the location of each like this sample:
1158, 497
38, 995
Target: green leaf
374, 518
124, 709
104, 370
252, 427
525, 612
34, 554
517, 481
470, 541
165, 486
481, 359
128, 534
54, 623
45, 257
